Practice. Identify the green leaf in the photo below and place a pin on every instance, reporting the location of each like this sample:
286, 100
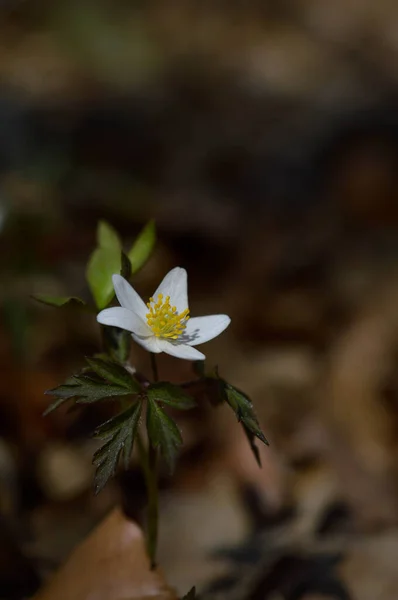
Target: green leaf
85, 390
118, 434
163, 433
89, 390
114, 373
142, 247
63, 393
170, 394
244, 410
107, 237
104, 262
118, 343
191, 594
251, 438
102, 379
59, 301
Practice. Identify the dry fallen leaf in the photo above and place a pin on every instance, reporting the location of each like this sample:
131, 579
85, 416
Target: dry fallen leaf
111, 564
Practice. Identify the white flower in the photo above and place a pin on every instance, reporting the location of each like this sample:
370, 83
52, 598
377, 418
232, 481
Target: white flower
163, 324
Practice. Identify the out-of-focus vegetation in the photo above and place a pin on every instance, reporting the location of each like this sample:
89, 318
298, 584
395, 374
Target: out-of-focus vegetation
262, 137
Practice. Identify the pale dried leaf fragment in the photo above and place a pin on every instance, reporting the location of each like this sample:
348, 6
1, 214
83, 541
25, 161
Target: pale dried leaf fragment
111, 564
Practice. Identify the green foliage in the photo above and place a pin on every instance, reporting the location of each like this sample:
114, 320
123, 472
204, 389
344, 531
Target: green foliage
245, 414
142, 247
172, 395
244, 410
59, 301
118, 343
114, 373
108, 258
63, 393
107, 237
104, 262
217, 390
107, 380
191, 594
163, 433
118, 435
86, 390
220, 391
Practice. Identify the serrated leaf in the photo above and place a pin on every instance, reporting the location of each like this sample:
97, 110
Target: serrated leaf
163, 433
107, 237
90, 390
61, 399
114, 373
244, 410
85, 390
59, 301
191, 594
119, 434
142, 247
172, 395
252, 443
64, 391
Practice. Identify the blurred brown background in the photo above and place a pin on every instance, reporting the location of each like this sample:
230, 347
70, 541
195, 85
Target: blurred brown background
262, 136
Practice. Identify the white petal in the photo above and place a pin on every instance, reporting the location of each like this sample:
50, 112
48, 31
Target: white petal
180, 350
125, 319
149, 343
128, 297
175, 286
202, 329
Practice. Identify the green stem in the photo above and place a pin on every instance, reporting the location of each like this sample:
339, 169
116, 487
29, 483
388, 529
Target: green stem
153, 505
149, 461
149, 467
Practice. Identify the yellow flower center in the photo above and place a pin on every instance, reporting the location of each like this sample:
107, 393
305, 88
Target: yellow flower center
164, 320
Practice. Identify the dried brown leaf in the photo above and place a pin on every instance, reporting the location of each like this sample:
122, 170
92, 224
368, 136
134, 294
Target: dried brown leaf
111, 564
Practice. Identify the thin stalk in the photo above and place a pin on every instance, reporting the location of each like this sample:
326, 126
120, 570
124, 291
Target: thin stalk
149, 461
154, 367
153, 505
149, 468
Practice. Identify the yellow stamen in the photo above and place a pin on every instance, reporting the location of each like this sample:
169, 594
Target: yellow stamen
164, 320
